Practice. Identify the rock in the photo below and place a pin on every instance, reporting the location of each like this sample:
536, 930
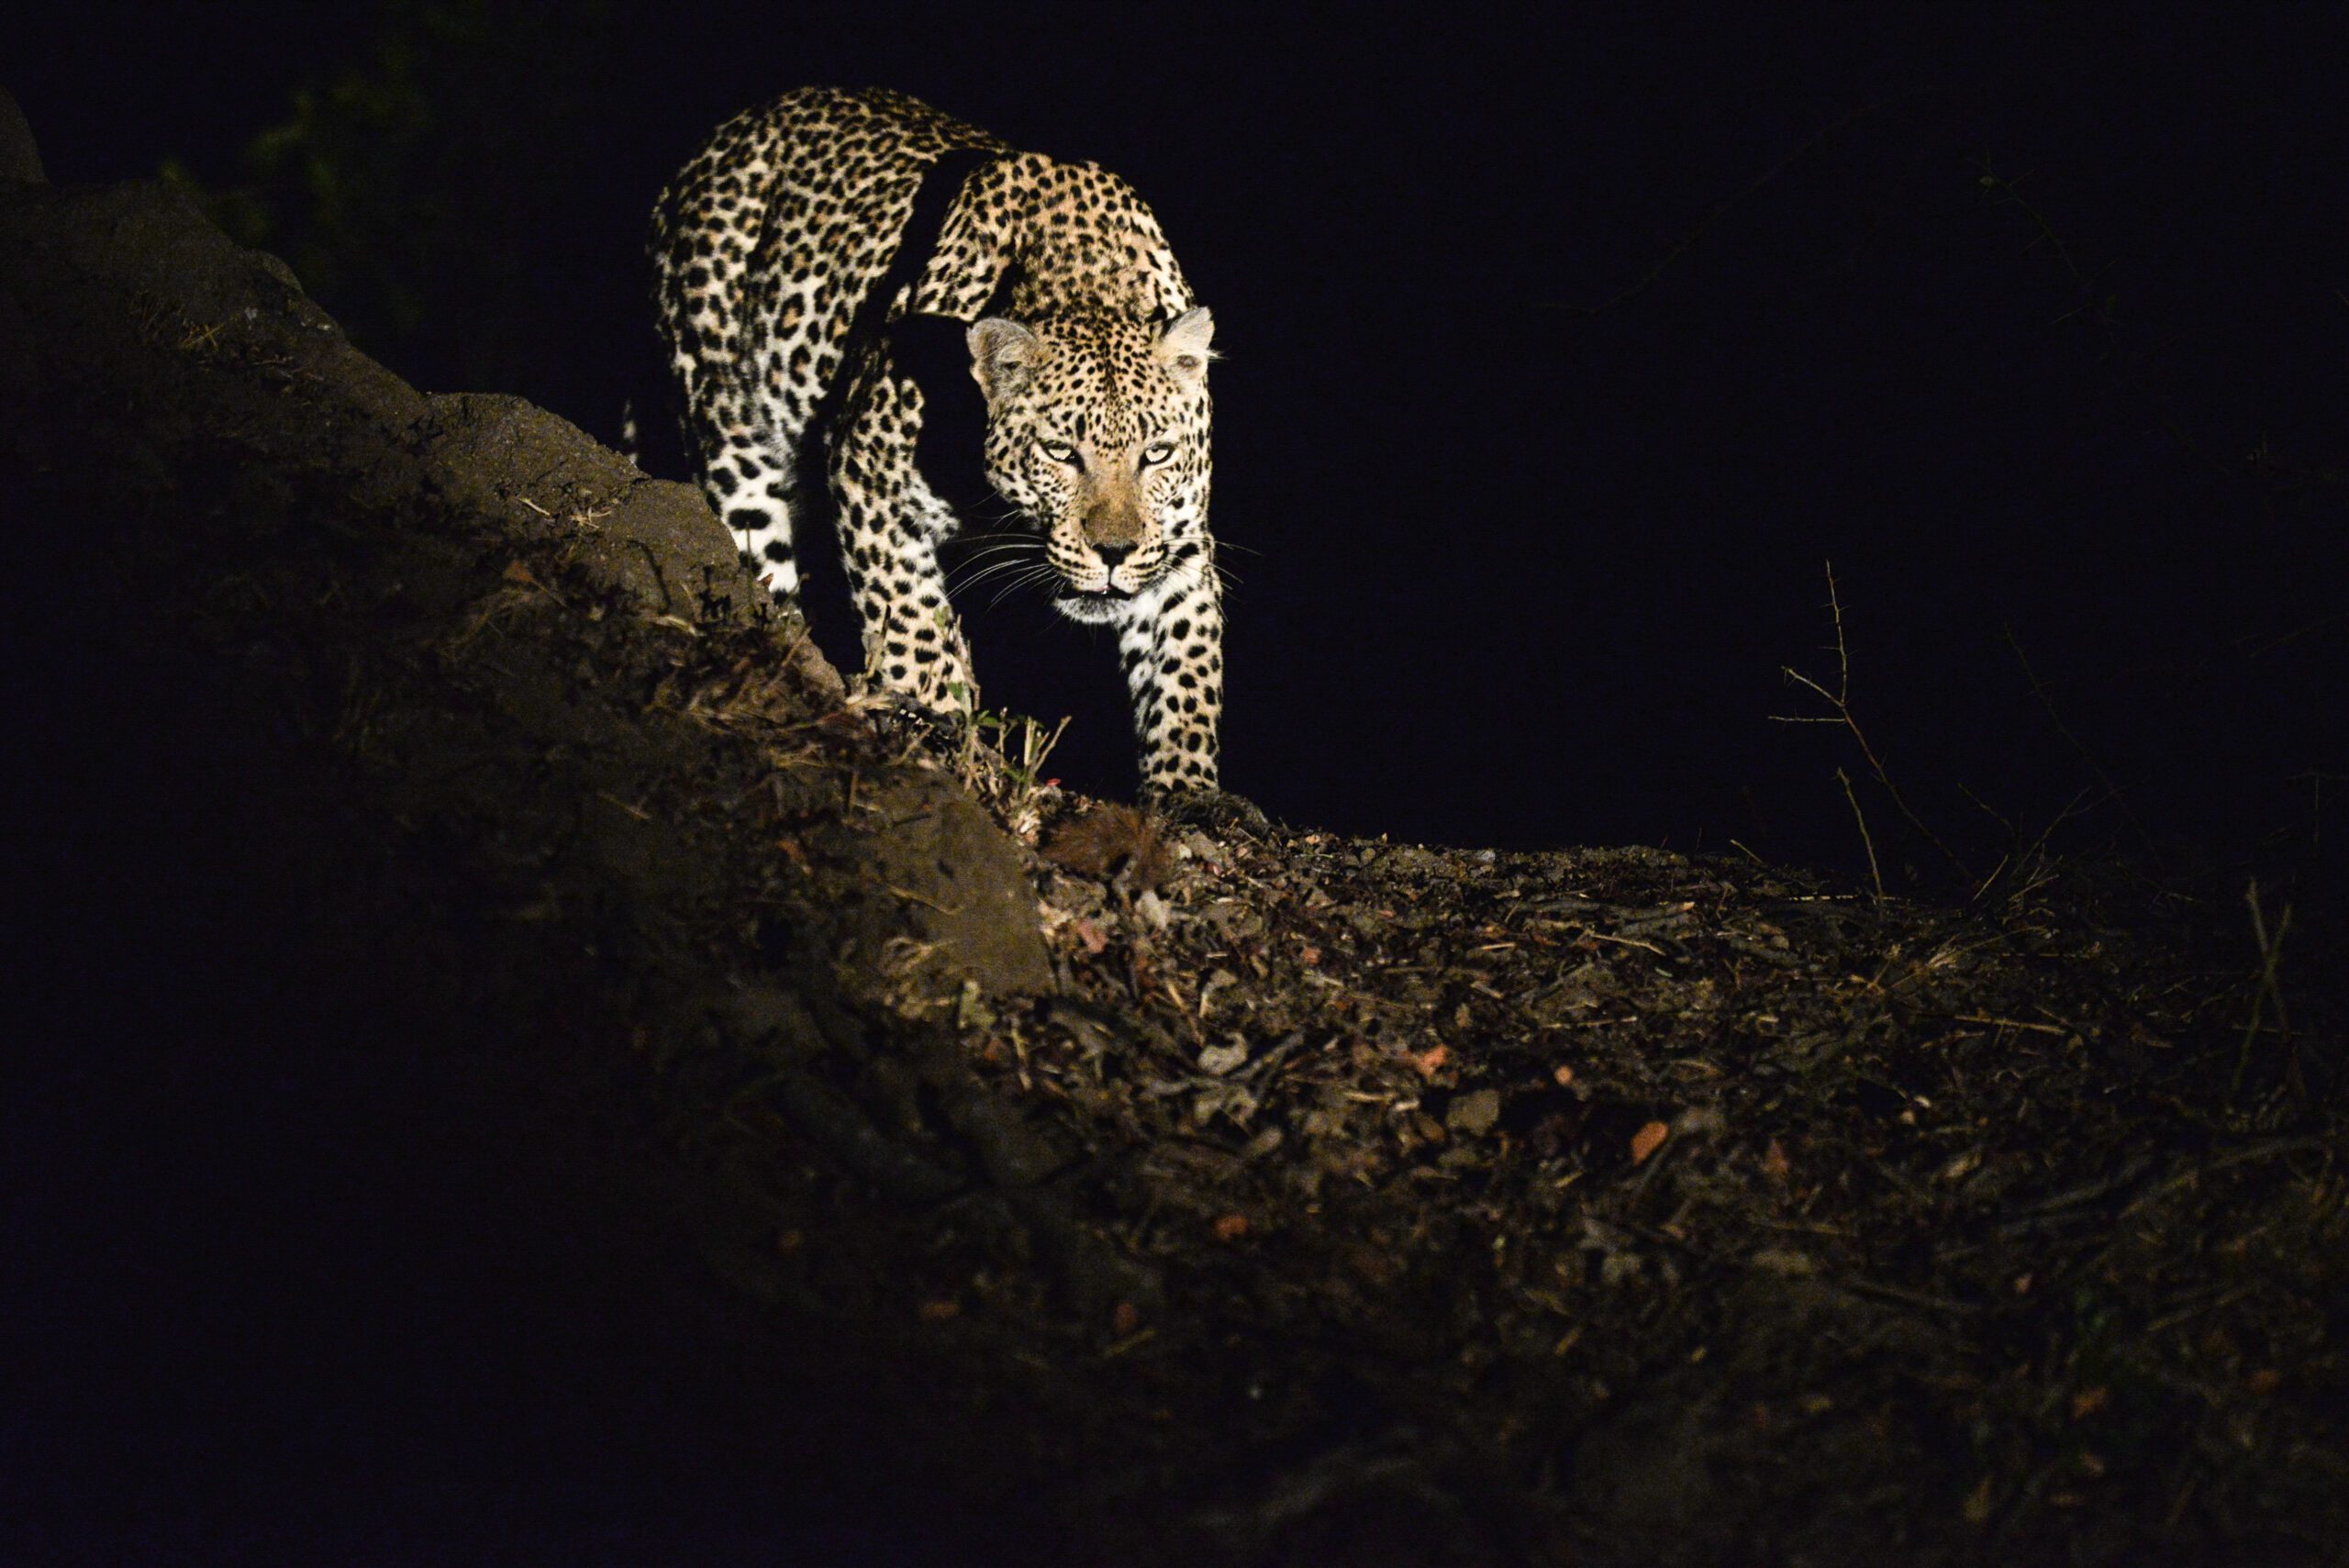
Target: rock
1472, 1115
1220, 1060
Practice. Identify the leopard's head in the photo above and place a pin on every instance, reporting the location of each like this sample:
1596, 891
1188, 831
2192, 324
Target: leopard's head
1097, 428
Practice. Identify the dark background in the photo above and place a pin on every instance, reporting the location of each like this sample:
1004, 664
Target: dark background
2032, 321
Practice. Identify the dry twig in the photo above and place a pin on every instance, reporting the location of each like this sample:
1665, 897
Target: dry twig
1840, 699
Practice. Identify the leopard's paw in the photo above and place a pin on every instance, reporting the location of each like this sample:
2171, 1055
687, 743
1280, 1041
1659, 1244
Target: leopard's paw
1213, 808
905, 720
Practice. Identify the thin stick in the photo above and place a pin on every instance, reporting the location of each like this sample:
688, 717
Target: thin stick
2270, 991
1840, 699
2060, 1030
1875, 873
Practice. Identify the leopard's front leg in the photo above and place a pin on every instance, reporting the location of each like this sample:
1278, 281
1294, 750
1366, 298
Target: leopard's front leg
890, 525
1172, 649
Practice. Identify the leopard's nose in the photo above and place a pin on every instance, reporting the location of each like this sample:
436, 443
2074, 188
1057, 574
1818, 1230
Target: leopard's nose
1111, 554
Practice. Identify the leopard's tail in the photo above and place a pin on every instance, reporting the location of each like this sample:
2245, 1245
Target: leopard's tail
632, 438
651, 430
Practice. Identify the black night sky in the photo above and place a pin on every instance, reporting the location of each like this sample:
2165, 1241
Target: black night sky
1562, 349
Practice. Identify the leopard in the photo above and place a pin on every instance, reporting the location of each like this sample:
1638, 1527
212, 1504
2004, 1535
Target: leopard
785, 255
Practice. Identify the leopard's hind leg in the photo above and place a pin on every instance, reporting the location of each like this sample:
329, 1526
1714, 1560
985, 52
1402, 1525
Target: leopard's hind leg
749, 485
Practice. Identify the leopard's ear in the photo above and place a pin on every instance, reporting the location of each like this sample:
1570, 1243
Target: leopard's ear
1183, 347
1003, 355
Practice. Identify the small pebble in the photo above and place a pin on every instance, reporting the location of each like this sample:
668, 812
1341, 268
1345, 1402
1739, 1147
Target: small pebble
1473, 1113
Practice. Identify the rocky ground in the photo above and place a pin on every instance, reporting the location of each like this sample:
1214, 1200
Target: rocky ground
519, 1069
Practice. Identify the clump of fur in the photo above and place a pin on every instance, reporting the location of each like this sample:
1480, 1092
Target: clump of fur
1112, 839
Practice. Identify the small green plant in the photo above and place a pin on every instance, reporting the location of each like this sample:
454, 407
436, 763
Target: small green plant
1001, 760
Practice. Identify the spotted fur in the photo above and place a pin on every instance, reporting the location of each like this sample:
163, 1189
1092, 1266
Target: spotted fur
780, 245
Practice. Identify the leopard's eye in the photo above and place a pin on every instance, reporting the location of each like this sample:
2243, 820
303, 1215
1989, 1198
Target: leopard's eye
1059, 451
1157, 452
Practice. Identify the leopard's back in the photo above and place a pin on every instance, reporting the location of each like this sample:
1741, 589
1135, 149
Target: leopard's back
768, 240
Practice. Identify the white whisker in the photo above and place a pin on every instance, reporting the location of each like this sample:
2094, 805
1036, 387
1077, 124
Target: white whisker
1000, 556
1040, 576
1012, 570
995, 548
